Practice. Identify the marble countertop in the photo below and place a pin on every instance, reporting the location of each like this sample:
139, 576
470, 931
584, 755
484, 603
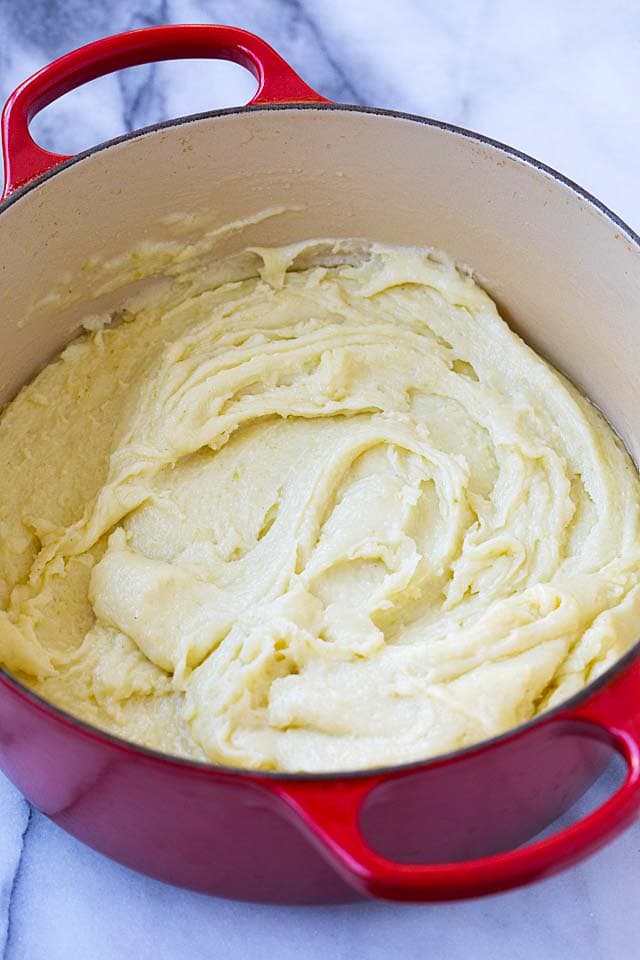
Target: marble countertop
557, 80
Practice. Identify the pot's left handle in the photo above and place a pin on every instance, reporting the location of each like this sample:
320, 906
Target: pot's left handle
24, 160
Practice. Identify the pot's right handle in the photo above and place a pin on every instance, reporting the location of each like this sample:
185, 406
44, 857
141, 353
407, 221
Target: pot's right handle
330, 813
24, 159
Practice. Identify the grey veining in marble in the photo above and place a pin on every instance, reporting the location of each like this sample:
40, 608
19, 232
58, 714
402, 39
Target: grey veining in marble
559, 80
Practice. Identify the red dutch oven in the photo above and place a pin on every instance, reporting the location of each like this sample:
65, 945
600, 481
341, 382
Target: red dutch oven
565, 272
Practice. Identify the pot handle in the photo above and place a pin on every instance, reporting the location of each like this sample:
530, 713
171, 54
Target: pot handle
24, 160
330, 812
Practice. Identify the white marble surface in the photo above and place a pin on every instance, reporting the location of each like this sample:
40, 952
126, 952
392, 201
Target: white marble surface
559, 80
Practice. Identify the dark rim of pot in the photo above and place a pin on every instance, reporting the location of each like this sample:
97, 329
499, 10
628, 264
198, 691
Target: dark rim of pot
203, 766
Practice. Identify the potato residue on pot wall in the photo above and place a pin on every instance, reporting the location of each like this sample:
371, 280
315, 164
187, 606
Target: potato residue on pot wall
332, 515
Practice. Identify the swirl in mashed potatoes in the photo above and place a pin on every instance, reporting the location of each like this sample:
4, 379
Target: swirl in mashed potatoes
324, 517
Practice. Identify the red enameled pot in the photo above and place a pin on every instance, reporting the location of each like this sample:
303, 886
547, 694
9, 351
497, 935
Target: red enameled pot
566, 273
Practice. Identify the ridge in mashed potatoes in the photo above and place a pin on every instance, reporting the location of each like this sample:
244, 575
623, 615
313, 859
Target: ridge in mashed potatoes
329, 516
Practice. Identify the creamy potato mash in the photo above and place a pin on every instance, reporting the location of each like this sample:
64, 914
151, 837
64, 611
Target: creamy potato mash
331, 513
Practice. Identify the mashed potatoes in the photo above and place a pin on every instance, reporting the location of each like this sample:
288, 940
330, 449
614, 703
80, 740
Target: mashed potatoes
323, 517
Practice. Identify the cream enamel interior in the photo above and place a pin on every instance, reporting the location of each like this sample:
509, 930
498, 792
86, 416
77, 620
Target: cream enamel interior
329, 193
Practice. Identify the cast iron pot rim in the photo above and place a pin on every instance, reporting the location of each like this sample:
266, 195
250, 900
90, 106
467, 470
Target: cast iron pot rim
202, 766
